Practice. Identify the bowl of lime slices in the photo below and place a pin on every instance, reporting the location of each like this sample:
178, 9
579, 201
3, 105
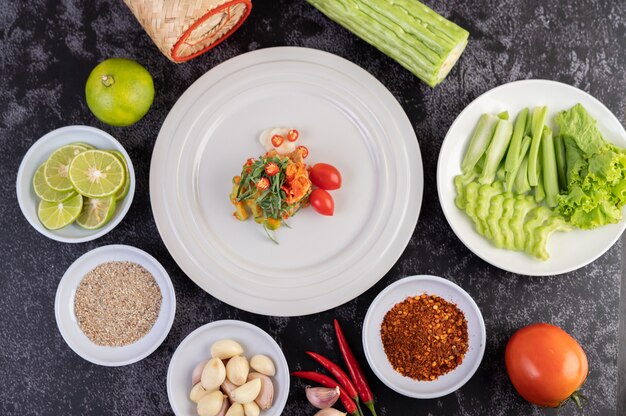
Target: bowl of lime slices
75, 184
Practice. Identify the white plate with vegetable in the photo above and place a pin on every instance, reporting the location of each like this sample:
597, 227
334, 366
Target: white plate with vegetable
198, 362
542, 192
345, 117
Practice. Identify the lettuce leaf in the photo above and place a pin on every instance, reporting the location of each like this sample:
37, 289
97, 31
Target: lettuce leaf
578, 125
596, 173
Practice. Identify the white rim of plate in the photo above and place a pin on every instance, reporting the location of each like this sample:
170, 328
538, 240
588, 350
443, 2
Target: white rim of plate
367, 322
440, 178
168, 287
207, 279
119, 215
232, 322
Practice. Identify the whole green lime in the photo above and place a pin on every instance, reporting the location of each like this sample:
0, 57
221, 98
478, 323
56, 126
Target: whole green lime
119, 91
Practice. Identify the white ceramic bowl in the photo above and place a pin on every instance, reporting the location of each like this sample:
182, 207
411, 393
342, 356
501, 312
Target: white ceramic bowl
568, 251
373, 346
196, 348
39, 153
68, 325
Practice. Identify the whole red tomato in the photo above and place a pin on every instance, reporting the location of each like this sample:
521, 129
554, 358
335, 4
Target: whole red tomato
546, 365
322, 202
325, 176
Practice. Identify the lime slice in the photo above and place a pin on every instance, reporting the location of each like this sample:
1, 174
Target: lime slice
57, 167
43, 190
123, 191
96, 212
55, 215
84, 145
96, 173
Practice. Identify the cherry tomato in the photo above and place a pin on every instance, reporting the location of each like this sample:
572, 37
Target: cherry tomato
325, 176
271, 169
546, 365
263, 184
277, 140
304, 150
322, 202
292, 136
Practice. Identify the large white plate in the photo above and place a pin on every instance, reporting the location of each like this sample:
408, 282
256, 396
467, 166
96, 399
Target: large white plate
346, 118
568, 251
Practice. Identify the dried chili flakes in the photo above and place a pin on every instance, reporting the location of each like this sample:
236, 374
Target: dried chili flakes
424, 337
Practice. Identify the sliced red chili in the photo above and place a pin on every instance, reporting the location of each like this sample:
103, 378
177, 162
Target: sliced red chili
277, 140
293, 134
304, 150
263, 184
271, 169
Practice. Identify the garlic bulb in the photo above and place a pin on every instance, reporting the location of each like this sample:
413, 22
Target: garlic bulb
251, 409
235, 409
197, 372
197, 392
226, 348
248, 392
263, 364
329, 412
237, 370
265, 397
211, 404
213, 374
322, 397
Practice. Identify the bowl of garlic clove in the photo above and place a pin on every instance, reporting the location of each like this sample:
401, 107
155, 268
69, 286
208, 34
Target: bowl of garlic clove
228, 368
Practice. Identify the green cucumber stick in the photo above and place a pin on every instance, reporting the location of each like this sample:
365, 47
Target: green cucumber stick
561, 162
408, 31
503, 115
496, 150
513, 159
550, 175
540, 192
521, 179
479, 142
539, 120
522, 154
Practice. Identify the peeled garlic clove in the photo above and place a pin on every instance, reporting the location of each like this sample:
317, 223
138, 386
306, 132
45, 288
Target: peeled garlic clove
197, 393
235, 409
237, 370
211, 404
266, 395
322, 397
263, 364
226, 348
197, 372
248, 392
329, 412
225, 406
213, 374
228, 388
251, 409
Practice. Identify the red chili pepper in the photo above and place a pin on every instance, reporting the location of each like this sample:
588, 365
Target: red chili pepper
339, 374
293, 134
249, 162
326, 381
277, 140
365, 393
304, 150
263, 184
271, 169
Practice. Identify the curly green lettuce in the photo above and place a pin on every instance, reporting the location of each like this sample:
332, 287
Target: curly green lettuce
596, 172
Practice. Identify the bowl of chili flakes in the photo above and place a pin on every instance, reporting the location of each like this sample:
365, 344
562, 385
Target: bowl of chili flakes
424, 336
